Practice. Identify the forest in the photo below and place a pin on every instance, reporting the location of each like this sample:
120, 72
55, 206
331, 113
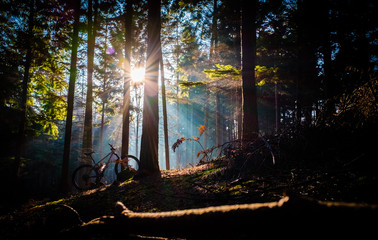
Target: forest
220, 102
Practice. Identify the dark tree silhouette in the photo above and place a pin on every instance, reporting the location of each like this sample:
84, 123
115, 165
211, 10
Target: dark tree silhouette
126, 86
92, 25
250, 119
24, 94
71, 94
149, 162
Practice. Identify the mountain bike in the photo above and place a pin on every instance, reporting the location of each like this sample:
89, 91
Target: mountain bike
89, 176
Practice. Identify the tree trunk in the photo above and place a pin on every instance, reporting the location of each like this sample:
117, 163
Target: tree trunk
102, 128
104, 98
214, 31
213, 54
218, 131
239, 96
206, 120
137, 133
239, 110
24, 94
250, 117
276, 107
149, 158
92, 23
307, 89
126, 87
164, 102
178, 160
330, 105
70, 100
138, 97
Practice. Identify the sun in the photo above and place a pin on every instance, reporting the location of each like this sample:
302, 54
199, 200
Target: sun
137, 75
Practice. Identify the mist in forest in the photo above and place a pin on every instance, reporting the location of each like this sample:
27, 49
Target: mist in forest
311, 65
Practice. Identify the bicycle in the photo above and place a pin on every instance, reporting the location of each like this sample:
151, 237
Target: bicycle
89, 176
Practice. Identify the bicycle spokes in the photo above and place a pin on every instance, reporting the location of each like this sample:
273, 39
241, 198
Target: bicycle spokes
88, 179
85, 177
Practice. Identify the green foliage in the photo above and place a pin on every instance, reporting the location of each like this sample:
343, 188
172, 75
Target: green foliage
46, 97
47, 41
264, 74
223, 71
191, 84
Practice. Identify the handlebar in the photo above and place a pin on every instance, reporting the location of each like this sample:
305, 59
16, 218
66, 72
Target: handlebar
111, 147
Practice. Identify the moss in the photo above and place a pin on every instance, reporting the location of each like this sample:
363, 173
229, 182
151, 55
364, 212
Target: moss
236, 188
60, 201
206, 172
153, 210
248, 182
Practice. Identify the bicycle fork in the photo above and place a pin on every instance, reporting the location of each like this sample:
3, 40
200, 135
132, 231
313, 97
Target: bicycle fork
100, 172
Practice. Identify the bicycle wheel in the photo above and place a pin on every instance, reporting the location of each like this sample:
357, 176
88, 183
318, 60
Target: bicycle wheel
130, 162
85, 177
108, 176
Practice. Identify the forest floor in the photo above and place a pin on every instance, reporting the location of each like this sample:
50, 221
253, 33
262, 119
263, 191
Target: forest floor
209, 184
345, 175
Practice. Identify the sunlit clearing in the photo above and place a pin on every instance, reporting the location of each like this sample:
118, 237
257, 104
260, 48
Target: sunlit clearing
137, 75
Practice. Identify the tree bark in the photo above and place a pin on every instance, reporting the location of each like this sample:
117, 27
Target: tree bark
290, 216
165, 118
149, 158
88, 119
214, 31
306, 85
70, 100
104, 98
218, 126
126, 86
249, 101
24, 93
206, 120
178, 160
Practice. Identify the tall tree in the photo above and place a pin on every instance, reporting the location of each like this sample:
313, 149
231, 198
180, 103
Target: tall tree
149, 162
71, 94
306, 28
213, 54
214, 31
88, 119
177, 51
24, 95
250, 117
105, 93
127, 81
164, 102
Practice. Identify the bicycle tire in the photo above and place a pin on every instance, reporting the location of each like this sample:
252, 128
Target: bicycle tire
83, 182
117, 167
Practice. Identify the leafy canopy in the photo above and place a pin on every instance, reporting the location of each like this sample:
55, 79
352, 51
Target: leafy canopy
264, 74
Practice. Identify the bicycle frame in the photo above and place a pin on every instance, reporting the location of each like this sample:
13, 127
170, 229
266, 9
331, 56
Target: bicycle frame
110, 155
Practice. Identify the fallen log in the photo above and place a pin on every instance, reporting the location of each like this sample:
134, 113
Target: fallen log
286, 217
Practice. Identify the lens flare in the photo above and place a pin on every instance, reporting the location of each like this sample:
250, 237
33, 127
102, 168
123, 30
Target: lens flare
137, 75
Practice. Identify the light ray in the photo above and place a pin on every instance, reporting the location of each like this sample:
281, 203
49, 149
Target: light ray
137, 75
